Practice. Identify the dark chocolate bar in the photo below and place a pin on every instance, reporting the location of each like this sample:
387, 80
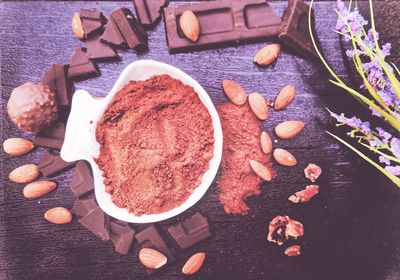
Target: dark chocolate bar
52, 164
52, 137
294, 30
98, 50
222, 22
121, 234
83, 206
92, 21
81, 66
112, 35
149, 11
82, 182
56, 78
97, 222
190, 231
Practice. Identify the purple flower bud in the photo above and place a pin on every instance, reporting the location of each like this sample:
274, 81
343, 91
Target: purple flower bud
395, 170
384, 160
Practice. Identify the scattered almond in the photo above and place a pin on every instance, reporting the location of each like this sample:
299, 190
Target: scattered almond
283, 157
58, 215
235, 92
258, 105
289, 129
266, 143
304, 195
268, 54
261, 170
151, 258
38, 188
293, 251
24, 174
17, 146
312, 172
190, 25
193, 264
284, 97
76, 25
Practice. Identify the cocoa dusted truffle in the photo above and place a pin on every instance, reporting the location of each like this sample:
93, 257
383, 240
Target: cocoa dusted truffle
32, 107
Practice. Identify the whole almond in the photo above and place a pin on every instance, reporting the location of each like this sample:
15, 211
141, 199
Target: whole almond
283, 157
24, 174
289, 129
58, 215
151, 258
258, 105
76, 25
190, 25
284, 97
38, 188
17, 146
268, 54
235, 92
266, 143
193, 264
261, 170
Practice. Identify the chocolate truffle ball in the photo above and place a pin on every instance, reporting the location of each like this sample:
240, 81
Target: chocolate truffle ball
32, 107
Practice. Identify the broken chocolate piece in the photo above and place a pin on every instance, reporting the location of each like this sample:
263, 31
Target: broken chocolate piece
52, 137
222, 22
304, 195
81, 66
52, 164
191, 231
121, 234
97, 50
283, 227
133, 33
82, 182
97, 222
83, 206
293, 251
149, 11
92, 21
294, 30
312, 172
56, 78
90, 14
112, 35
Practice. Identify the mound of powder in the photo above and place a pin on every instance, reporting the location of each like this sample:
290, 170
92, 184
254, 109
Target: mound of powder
156, 140
242, 132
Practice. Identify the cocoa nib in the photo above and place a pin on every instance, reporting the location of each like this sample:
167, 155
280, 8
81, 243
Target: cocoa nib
293, 251
304, 195
283, 227
312, 172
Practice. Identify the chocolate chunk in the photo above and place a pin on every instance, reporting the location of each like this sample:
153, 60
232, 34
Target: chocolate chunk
82, 182
52, 137
149, 11
121, 234
133, 33
294, 30
92, 21
83, 206
190, 231
222, 22
96, 49
52, 164
90, 14
112, 35
97, 222
56, 78
81, 66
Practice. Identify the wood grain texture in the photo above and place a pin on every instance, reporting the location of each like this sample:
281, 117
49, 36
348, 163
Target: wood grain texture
352, 227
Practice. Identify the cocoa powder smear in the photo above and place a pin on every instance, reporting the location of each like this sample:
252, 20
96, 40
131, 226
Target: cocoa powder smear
242, 132
156, 140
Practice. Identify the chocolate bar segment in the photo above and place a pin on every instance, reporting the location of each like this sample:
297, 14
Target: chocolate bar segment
92, 21
52, 163
83, 206
121, 234
222, 22
294, 30
52, 137
82, 182
97, 222
149, 11
56, 78
191, 231
81, 66
112, 35
97, 50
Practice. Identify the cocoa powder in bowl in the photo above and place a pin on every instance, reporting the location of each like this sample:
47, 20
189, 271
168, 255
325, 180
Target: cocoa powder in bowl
156, 140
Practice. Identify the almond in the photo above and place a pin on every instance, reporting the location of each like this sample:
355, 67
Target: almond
151, 258
268, 54
17, 146
283, 157
24, 174
38, 189
193, 264
258, 105
293, 251
190, 25
235, 92
266, 143
261, 170
284, 97
76, 25
289, 129
58, 215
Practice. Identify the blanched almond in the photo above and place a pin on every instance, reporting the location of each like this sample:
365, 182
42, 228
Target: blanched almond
266, 143
151, 258
235, 92
283, 157
261, 170
284, 97
193, 264
190, 25
38, 189
58, 215
268, 54
258, 105
289, 129
17, 146
24, 174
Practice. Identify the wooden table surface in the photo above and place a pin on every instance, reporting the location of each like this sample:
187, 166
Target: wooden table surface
352, 227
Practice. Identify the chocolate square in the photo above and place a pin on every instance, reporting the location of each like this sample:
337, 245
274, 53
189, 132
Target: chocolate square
51, 164
149, 11
82, 182
121, 234
52, 137
97, 222
83, 206
56, 78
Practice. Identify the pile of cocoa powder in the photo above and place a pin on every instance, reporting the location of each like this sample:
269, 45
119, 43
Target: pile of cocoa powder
156, 140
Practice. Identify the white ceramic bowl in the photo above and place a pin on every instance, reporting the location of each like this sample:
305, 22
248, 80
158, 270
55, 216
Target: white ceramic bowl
80, 137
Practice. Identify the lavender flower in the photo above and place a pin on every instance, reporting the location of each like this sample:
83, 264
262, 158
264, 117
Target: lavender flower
395, 147
395, 170
384, 160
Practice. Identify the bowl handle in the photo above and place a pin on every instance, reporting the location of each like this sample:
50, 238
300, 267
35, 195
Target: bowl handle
78, 134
